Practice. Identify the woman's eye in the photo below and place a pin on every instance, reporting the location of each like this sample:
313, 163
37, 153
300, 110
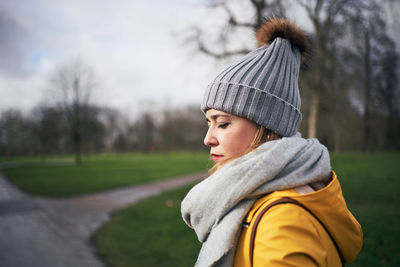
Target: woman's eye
224, 125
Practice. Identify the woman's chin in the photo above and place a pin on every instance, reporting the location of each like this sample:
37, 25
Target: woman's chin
221, 162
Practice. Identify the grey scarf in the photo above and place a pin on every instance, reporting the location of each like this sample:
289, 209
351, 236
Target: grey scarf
216, 207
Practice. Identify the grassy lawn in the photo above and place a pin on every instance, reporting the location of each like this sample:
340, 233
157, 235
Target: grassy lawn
371, 185
59, 177
152, 232
149, 234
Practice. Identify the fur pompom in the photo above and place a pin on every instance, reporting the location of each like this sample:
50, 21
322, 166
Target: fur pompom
284, 28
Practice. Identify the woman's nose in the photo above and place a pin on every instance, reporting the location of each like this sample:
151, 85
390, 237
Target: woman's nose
210, 139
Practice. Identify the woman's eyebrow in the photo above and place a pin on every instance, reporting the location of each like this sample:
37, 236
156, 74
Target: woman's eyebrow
216, 116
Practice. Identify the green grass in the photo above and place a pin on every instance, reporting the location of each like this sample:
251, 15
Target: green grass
371, 186
152, 232
59, 177
149, 234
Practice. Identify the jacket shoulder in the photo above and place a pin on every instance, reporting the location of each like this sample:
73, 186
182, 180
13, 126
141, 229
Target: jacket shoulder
289, 235
293, 225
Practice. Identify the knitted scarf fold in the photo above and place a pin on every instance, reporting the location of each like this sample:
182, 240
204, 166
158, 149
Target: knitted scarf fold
216, 207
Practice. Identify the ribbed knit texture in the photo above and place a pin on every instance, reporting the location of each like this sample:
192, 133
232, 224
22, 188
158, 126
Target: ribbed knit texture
262, 87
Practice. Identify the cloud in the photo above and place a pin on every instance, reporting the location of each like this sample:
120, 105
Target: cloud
129, 44
13, 36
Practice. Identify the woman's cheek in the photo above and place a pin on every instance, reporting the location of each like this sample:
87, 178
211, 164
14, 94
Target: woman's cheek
237, 145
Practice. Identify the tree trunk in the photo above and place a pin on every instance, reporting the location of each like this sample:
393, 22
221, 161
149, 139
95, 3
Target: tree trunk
77, 147
367, 130
313, 115
77, 132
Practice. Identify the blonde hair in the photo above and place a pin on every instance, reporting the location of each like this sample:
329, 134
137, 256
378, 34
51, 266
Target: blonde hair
262, 135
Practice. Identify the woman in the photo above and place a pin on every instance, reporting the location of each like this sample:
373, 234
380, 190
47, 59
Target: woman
272, 198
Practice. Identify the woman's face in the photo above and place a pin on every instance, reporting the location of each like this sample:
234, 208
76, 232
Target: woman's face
228, 136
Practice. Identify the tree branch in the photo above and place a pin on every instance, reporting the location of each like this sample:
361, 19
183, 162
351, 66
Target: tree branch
220, 55
259, 7
232, 20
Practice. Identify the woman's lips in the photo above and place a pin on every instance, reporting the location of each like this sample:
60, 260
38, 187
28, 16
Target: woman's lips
216, 157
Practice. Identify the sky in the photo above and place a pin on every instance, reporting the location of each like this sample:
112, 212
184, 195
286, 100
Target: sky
134, 47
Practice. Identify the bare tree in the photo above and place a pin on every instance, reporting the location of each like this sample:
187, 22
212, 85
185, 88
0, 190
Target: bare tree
389, 92
329, 18
367, 50
146, 129
16, 134
222, 43
50, 130
183, 129
74, 83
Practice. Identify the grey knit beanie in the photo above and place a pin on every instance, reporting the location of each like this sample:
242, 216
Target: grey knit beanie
263, 85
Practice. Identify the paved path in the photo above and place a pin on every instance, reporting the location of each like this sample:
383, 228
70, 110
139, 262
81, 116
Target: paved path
43, 232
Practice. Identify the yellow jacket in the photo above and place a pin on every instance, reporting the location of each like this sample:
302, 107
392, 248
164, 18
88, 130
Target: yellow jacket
288, 235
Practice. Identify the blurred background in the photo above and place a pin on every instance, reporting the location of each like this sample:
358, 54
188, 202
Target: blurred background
95, 76
96, 95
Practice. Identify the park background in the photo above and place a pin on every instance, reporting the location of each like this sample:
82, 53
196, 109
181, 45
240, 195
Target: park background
96, 95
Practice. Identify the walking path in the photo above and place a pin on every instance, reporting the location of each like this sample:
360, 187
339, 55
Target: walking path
43, 232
